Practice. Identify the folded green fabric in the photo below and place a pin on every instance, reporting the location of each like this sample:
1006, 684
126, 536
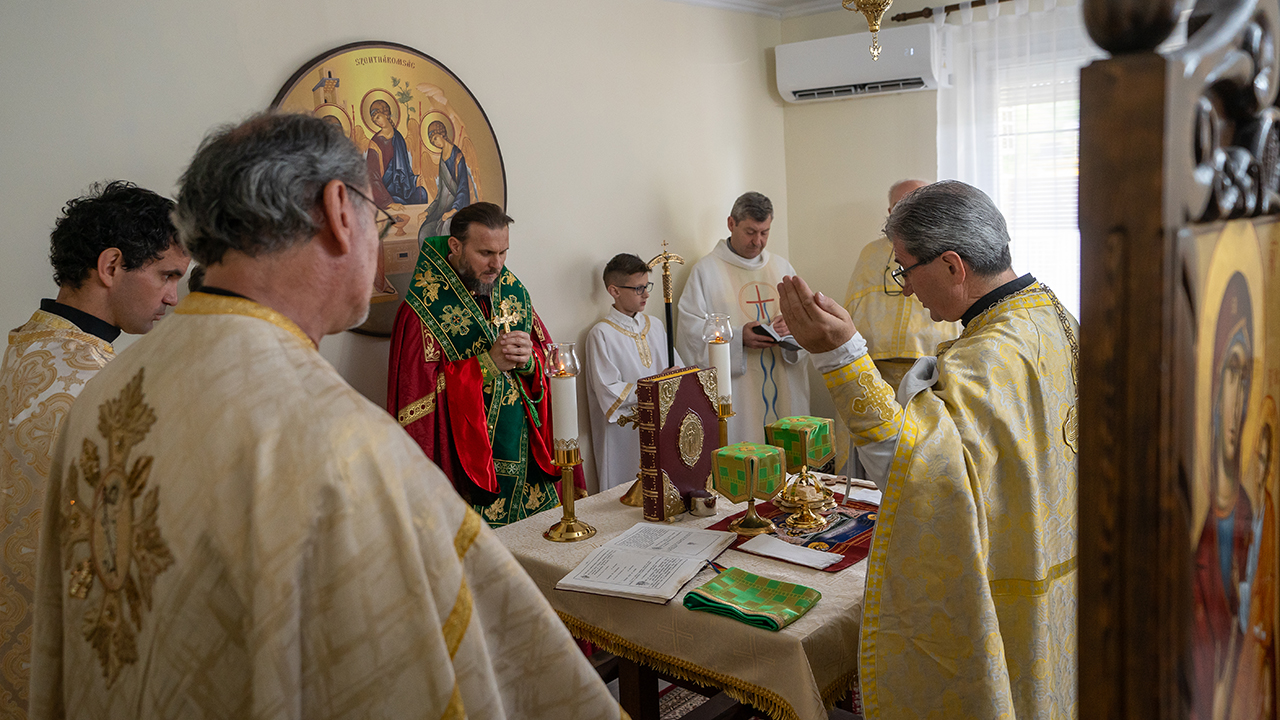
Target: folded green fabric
757, 601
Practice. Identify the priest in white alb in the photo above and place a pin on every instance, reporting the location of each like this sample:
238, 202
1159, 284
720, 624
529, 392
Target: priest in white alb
970, 609
231, 530
739, 278
622, 348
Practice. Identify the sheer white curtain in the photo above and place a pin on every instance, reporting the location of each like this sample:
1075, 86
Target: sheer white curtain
1009, 123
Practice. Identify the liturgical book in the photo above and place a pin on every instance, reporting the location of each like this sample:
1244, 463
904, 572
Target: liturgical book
679, 432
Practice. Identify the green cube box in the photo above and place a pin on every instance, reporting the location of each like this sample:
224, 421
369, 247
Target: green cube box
805, 440
748, 469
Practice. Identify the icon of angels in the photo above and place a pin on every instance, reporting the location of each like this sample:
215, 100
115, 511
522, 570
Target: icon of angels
428, 145
1233, 493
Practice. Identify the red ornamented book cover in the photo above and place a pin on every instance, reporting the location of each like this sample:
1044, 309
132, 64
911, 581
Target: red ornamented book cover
679, 432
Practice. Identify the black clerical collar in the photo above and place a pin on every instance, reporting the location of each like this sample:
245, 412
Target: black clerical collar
95, 326
987, 301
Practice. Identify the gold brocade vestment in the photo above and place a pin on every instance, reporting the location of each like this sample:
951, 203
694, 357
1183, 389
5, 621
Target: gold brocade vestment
48, 361
232, 531
970, 608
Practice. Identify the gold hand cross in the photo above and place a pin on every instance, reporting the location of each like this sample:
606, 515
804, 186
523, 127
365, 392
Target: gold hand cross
506, 316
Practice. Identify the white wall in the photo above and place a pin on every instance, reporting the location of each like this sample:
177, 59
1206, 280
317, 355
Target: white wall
620, 123
842, 156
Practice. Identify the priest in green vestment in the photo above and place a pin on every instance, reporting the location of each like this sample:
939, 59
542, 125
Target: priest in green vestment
232, 531
970, 608
466, 378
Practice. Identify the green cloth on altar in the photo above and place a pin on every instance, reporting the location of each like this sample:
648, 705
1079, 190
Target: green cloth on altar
755, 600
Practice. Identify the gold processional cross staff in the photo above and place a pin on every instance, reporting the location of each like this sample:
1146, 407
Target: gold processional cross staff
665, 258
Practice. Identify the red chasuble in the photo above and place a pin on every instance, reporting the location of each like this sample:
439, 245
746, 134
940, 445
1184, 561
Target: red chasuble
464, 414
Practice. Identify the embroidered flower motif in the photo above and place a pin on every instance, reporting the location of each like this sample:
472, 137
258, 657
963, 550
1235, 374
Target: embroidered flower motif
454, 320
429, 283
126, 550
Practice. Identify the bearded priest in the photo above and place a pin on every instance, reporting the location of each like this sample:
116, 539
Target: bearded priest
466, 371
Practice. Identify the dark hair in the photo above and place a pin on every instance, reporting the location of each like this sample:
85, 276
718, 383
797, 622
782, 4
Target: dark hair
951, 215
484, 213
374, 109
751, 205
434, 128
117, 214
255, 187
622, 266
195, 281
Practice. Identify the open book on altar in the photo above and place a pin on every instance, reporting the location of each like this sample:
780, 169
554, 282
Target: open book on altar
648, 562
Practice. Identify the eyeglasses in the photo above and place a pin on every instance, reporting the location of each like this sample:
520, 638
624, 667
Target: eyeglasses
386, 219
639, 289
899, 276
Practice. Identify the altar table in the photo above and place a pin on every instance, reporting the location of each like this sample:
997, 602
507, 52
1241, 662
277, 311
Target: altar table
792, 674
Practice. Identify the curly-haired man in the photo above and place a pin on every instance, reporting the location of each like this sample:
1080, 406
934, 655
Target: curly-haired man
117, 264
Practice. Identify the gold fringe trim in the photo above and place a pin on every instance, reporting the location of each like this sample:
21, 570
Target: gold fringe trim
763, 699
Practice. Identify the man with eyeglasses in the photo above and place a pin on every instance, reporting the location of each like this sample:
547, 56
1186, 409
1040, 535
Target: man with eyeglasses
971, 581
466, 377
622, 348
897, 328
232, 531
739, 278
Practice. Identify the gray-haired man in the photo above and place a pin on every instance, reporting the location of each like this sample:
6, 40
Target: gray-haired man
232, 531
739, 278
971, 584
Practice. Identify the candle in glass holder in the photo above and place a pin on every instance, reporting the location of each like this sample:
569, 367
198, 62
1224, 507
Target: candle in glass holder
717, 332
562, 372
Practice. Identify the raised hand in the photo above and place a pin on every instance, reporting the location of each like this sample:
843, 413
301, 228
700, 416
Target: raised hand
816, 321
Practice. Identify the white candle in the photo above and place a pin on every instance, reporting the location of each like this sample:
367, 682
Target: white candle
720, 360
564, 407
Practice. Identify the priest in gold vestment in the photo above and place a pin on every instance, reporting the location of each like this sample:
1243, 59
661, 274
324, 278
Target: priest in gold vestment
231, 530
117, 264
897, 328
970, 608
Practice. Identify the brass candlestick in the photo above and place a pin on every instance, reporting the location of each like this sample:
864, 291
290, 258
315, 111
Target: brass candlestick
569, 528
724, 412
752, 523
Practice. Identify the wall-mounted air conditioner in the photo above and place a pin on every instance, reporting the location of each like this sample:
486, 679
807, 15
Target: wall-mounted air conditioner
841, 67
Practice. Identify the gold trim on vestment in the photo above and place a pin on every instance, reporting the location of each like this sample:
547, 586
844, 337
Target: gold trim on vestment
456, 710
763, 699
198, 303
459, 618
417, 410
1034, 588
421, 407
62, 328
467, 533
640, 338
430, 348
626, 393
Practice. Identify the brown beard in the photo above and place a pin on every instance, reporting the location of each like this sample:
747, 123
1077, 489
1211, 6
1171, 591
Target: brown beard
470, 280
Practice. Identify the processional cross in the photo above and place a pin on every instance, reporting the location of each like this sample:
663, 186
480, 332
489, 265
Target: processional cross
665, 258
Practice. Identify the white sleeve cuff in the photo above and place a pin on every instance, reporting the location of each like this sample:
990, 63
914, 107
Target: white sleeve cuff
853, 348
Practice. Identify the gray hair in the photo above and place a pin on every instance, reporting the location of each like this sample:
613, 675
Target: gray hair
951, 215
255, 187
751, 205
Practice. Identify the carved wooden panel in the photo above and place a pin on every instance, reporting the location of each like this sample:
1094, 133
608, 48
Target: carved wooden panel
1180, 362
